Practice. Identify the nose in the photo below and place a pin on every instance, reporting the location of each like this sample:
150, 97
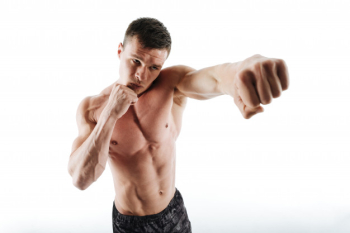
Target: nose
141, 74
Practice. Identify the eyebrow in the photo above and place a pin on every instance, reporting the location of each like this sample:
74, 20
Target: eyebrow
134, 55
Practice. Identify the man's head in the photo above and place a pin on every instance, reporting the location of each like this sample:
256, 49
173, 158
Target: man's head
145, 48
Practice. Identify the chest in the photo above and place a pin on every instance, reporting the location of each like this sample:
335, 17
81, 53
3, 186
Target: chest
146, 125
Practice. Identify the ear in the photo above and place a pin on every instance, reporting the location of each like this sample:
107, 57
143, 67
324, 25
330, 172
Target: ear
120, 49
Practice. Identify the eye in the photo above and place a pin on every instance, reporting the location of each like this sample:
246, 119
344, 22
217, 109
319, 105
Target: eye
136, 61
155, 68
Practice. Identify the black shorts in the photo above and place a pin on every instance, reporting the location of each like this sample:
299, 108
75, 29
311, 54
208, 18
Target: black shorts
173, 218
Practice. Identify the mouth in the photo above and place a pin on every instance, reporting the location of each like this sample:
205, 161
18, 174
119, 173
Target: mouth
134, 86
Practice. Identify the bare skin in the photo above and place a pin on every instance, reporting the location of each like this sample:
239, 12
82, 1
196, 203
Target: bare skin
134, 129
142, 150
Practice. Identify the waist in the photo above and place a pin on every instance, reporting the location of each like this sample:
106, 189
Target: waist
143, 200
175, 205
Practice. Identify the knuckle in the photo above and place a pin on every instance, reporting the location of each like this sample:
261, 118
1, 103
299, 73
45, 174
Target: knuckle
266, 101
282, 63
257, 71
130, 98
242, 77
277, 94
118, 89
120, 93
255, 105
257, 66
284, 88
268, 64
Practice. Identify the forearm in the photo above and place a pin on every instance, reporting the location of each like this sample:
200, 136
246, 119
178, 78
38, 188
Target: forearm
89, 161
224, 74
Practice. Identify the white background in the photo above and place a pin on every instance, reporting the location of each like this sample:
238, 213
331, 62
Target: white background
284, 170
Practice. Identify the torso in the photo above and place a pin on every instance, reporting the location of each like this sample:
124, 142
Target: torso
142, 149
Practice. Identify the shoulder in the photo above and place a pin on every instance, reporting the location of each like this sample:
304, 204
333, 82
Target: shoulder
88, 106
172, 76
174, 73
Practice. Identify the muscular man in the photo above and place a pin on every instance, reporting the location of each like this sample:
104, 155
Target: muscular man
133, 124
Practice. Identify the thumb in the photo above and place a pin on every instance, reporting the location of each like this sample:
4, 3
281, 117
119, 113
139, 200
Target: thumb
249, 112
246, 111
259, 109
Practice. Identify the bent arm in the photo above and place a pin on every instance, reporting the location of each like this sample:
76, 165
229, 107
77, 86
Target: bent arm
90, 149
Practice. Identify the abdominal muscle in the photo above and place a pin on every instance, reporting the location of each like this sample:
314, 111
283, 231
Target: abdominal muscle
144, 182
142, 152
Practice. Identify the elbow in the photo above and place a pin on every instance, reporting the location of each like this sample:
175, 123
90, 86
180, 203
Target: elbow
78, 181
70, 171
75, 181
80, 185
77, 185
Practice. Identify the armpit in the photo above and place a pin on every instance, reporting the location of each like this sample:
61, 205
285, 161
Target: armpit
179, 98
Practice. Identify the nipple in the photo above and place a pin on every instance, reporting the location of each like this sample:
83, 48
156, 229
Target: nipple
114, 142
166, 126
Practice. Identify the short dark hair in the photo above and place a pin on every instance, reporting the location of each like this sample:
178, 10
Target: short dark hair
150, 32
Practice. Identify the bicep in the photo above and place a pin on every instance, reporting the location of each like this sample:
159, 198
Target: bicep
181, 80
199, 84
84, 122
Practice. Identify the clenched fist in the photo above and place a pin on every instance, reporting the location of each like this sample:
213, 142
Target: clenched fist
120, 99
258, 80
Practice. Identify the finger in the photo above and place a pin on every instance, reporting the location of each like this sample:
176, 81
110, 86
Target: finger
133, 99
262, 85
246, 90
130, 90
283, 75
272, 78
246, 111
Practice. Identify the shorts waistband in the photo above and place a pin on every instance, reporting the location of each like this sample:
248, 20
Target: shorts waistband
175, 205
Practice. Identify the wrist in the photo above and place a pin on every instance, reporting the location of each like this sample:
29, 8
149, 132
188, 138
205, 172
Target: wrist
109, 112
226, 77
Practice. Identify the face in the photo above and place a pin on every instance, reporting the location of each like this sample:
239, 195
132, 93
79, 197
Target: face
139, 66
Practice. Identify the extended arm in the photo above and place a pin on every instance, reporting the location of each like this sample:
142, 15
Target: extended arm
251, 82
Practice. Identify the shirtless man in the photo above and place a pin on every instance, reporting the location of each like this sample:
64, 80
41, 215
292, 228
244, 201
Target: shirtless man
133, 124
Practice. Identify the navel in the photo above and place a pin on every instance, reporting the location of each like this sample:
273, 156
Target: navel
114, 142
151, 148
161, 192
